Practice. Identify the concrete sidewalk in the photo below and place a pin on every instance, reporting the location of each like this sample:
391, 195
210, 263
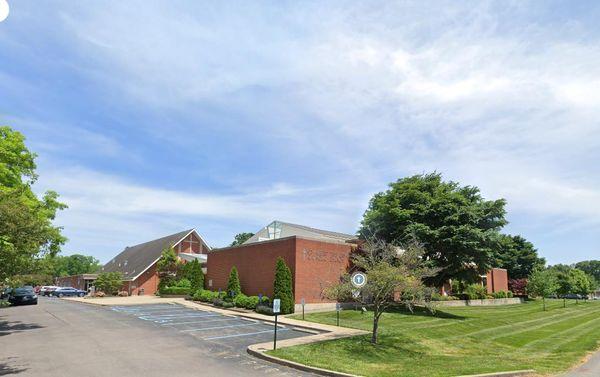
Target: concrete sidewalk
590, 368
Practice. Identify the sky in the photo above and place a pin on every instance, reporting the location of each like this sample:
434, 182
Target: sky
151, 117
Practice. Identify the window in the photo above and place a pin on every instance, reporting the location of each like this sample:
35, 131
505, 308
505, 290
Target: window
274, 230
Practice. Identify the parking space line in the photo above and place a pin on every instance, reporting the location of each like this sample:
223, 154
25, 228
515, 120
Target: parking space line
218, 327
236, 335
189, 322
175, 316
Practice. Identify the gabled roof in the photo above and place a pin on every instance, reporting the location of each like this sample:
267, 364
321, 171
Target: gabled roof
134, 260
280, 229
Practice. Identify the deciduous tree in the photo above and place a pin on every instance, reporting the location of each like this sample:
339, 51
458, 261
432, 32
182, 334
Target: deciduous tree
542, 283
240, 238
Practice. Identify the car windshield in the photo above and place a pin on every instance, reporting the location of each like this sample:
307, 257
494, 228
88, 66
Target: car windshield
23, 291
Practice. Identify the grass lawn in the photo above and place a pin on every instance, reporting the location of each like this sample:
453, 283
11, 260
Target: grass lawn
455, 341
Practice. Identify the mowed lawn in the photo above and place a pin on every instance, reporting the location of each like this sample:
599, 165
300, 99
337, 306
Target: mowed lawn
456, 341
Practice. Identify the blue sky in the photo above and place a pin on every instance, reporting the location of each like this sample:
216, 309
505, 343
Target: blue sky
150, 117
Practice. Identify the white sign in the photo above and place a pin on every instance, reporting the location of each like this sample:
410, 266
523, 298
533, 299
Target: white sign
338, 306
358, 279
276, 305
302, 302
355, 293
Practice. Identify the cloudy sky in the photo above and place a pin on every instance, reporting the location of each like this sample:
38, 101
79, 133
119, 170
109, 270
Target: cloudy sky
151, 117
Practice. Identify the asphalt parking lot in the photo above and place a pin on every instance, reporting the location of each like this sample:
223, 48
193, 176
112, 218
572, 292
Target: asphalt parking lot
229, 331
62, 338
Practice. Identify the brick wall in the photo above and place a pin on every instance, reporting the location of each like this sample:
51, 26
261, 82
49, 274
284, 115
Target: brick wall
497, 280
255, 264
318, 265
314, 265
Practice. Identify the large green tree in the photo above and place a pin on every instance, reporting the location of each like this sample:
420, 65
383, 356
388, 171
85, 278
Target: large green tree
517, 255
240, 238
457, 226
26, 229
590, 267
542, 283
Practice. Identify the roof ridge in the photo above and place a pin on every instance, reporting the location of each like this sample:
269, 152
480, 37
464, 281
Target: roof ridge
314, 229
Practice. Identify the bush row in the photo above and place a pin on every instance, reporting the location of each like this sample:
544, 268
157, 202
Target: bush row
175, 291
221, 299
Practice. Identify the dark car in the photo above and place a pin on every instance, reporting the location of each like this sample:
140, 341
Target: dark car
5, 293
573, 296
23, 296
68, 291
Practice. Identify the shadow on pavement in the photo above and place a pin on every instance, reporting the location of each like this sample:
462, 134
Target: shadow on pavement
9, 327
6, 369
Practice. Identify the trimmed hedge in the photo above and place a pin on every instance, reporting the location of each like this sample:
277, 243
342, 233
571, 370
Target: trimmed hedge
175, 291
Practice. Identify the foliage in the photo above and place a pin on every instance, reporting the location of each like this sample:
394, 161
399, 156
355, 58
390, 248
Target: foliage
438, 297
457, 341
458, 228
26, 230
205, 295
475, 291
580, 282
518, 286
590, 267
264, 309
500, 294
183, 283
109, 282
542, 283
393, 274
175, 290
69, 265
32, 279
240, 238
167, 267
193, 272
233, 284
517, 255
282, 286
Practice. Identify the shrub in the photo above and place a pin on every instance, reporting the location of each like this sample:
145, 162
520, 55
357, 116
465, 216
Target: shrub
263, 309
251, 302
109, 282
227, 304
123, 294
205, 295
509, 294
282, 286
175, 291
475, 291
193, 272
240, 300
500, 294
184, 283
233, 285
439, 297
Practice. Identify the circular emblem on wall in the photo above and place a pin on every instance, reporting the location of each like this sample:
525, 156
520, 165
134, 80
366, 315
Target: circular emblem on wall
358, 279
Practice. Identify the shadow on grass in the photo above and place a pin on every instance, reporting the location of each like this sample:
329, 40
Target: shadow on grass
387, 348
424, 312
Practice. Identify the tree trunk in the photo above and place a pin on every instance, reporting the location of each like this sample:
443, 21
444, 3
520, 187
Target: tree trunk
544, 302
375, 326
564, 302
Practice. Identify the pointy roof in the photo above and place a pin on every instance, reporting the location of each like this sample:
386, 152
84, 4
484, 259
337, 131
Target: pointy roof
134, 260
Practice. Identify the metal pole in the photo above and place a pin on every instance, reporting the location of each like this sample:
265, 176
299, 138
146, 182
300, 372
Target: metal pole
338, 317
303, 312
275, 334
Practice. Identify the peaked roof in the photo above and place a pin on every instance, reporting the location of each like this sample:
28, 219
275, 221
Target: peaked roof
280, 229
134, 260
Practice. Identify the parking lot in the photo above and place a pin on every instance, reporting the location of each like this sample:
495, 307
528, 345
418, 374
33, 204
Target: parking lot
206, 326
63, 338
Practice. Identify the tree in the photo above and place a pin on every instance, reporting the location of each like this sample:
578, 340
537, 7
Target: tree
542, 283
109, 282
240, 238
26, 230
590, 267
394, 275
167, 266
458, 228
581, 283
517, 255
193, 272
282, 286
233, 284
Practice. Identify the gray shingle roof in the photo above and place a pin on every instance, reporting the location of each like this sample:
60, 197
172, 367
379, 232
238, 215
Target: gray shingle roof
288, 229
135, 259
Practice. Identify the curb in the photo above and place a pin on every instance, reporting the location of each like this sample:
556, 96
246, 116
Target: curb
513, 373
298, 366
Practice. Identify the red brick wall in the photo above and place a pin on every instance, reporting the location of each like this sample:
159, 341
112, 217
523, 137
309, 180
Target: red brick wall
185, 246
314, 265
497, 280
75, 281
255, 264
318, 265
148, 281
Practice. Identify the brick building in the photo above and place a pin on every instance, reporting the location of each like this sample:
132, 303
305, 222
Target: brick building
316, 258
137, 263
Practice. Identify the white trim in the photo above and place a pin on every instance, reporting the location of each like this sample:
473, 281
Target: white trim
183, 238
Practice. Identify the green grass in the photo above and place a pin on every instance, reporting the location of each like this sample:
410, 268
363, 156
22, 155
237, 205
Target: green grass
455, 341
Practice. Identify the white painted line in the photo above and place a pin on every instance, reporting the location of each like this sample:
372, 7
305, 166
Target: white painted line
218, 327
249, 319
167, 316
271, 324
185, 323
236, 335
177, 318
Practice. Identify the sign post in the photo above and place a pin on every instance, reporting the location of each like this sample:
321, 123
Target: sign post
276, 310
302, 302
338, 307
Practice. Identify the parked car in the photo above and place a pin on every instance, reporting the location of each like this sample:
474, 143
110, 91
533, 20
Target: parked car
5, 293
46, 290
573, 296
68, 291
23, 296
